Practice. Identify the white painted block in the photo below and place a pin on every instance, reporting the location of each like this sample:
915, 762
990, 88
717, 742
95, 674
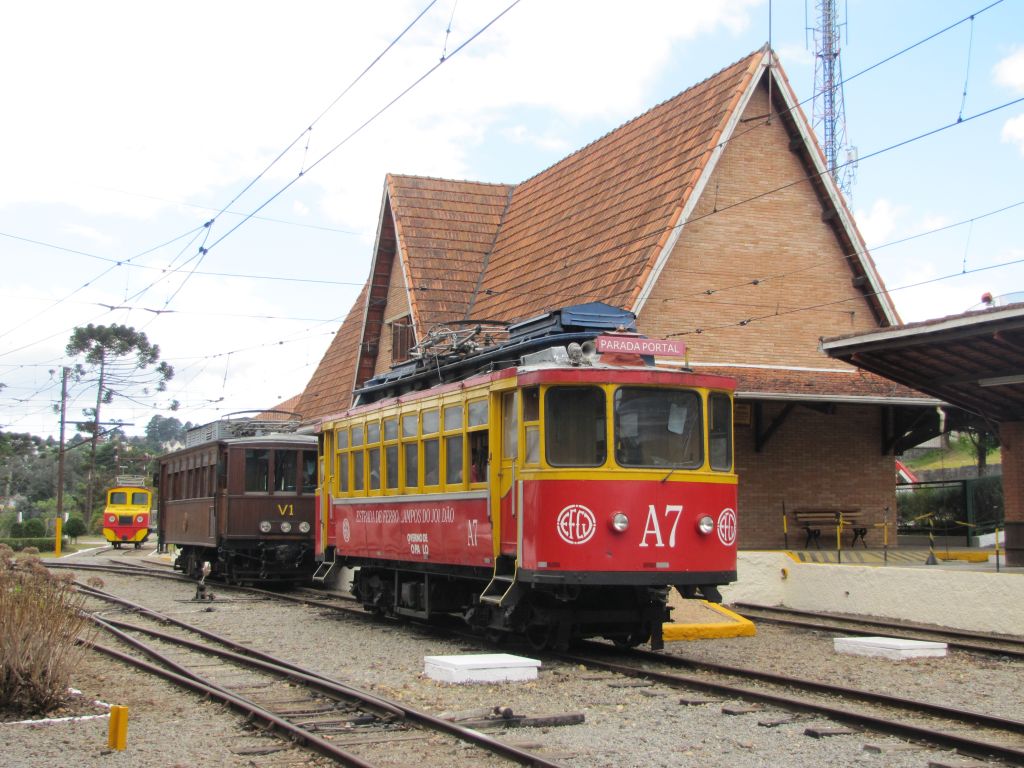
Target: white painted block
888, 647
480, 668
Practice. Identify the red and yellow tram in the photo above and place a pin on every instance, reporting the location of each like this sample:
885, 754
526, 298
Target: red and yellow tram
126, 514
557, 487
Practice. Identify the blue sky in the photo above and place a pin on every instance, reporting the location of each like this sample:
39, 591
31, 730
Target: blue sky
130, 125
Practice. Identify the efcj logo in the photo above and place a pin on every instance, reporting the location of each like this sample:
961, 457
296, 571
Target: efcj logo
346, 530
727, 527
576, 524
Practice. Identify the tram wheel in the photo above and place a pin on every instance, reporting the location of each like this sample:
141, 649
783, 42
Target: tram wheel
540, 636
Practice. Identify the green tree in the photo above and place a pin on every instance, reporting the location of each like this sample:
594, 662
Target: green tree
163, 430
123, 363
33, 529
74, 527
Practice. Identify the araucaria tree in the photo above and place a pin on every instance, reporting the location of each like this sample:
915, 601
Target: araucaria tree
125, 365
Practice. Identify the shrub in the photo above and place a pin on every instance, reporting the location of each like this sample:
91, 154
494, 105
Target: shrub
17, 530
74, 527
40, 545
40, 622
33, 529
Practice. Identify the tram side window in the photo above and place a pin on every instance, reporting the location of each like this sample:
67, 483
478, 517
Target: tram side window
431, 448
431, 462
391, 453
453, 445
478, 449
373, 459
720, 431
341, 468
658, 428
357, 459
509, 426
575, 432
531, 425
410, 449
257, 470
284, 471
309, 468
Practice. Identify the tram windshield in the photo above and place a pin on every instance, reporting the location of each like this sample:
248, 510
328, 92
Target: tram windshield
658, 428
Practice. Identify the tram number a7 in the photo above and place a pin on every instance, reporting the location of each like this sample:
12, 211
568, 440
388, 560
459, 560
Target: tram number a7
653, 525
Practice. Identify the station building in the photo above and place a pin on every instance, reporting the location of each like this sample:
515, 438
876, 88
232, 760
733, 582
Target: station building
713, 218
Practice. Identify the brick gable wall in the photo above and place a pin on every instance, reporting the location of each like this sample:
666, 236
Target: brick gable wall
779, 239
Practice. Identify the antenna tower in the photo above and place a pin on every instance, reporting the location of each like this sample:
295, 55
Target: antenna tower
829, 113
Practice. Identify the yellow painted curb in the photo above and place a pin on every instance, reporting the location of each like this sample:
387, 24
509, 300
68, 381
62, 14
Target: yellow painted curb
970, 557
737, 626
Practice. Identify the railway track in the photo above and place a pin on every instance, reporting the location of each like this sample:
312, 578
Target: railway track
968, 732
972, 733
972, 642
310, 710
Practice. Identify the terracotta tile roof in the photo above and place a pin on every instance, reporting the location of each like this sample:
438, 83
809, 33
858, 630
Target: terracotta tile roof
445, 230
590, 227
814, 384
282, 411
330, 388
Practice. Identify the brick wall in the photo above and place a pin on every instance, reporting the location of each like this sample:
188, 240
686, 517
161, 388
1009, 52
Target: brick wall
781, 240
778, 239
813, 458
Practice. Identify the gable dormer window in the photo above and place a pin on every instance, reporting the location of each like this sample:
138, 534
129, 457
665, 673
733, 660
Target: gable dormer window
402, 339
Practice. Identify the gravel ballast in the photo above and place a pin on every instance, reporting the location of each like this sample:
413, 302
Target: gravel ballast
627, 722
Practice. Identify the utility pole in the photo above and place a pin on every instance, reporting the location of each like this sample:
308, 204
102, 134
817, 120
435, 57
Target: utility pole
60, 456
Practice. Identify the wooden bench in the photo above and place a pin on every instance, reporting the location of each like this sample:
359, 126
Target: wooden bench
813, 519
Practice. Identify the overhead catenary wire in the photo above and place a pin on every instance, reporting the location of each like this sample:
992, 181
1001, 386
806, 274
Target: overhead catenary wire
268, 277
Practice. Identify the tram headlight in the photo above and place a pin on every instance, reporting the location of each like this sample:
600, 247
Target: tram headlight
265, 526
619, 522
304, 527
111, 519
705, 524
139, 519
286, 527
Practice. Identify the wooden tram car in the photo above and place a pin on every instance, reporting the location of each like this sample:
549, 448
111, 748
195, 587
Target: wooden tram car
126, 514
556, 485
241, 497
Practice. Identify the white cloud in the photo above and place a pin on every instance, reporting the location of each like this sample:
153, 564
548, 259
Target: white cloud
1010, 71
881, 222
1013, 132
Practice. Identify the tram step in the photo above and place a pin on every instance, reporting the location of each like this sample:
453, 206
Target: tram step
323, 570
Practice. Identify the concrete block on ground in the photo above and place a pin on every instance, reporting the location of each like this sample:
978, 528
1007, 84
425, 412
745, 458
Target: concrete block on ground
888, 647
480, 668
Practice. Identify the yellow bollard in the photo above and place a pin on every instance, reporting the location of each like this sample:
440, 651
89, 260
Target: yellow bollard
56, 548
117, 737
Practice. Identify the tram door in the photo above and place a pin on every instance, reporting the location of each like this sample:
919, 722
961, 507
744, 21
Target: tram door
503, 496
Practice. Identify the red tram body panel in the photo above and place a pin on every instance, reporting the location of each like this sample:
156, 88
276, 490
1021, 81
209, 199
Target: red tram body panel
559, 496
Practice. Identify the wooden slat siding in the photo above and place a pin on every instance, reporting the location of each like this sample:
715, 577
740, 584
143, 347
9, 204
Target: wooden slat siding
377, 298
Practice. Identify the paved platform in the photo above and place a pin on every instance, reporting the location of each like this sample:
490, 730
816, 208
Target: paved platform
961, 593
980, 559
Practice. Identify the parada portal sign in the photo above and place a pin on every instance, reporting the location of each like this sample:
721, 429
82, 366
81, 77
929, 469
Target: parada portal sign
634, 345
